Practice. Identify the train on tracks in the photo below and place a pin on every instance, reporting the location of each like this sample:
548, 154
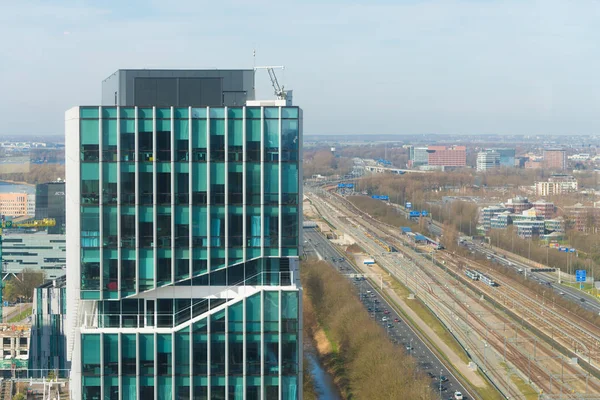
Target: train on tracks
479, 276
386, 246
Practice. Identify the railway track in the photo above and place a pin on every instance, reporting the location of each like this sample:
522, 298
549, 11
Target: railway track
582, 334
416, 280
548, 317
512, 351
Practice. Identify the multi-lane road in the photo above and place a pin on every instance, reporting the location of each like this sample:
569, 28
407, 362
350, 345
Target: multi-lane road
442, 379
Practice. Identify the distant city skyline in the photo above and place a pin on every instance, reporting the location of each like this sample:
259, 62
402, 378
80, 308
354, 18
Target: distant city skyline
419, 67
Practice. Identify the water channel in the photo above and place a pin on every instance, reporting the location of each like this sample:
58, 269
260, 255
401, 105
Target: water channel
323, 381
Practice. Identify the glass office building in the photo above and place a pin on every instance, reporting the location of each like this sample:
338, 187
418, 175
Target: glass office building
183, 233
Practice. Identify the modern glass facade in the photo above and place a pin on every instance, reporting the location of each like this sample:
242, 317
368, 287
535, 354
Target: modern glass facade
48, 339
186, 225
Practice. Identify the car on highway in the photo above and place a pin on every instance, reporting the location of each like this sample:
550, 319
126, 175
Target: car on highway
582, 300
458, 396
409, 348
431, 375
443, 378
396, 319
386, 311
384, 319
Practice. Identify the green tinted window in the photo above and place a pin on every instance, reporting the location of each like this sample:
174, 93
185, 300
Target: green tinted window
88, 112
90, 131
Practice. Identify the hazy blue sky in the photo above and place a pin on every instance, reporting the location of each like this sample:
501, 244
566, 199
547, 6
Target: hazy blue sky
378, 66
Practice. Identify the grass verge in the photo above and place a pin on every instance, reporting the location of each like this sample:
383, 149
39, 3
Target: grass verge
21, 316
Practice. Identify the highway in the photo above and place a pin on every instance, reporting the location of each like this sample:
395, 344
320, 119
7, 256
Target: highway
438, 297
400, 333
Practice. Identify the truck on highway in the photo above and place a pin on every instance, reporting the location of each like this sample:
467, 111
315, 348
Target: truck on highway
369, 261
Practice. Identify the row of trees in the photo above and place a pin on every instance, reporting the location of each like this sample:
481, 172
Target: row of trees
373, 368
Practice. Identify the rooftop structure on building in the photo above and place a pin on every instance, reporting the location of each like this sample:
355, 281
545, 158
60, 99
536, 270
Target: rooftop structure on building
178, 88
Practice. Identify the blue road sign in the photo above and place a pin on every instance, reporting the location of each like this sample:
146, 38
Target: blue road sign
580, 275
571, 250
408, 205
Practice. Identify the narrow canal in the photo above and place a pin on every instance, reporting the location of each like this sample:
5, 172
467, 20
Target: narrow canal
324, 386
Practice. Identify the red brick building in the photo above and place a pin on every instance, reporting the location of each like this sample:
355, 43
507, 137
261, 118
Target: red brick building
453, 156
544, 208
555, 159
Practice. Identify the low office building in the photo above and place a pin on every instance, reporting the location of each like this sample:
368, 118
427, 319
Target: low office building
50, 203
48, 339
557, 184
418, 156
487, 160
14, 204
37, 251
529, 228
487, 213
582, 218
544, 208
528, 224
554, 225
501, 221
518, 204
507, 157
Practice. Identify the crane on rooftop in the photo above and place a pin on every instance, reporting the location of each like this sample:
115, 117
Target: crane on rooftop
278, 89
